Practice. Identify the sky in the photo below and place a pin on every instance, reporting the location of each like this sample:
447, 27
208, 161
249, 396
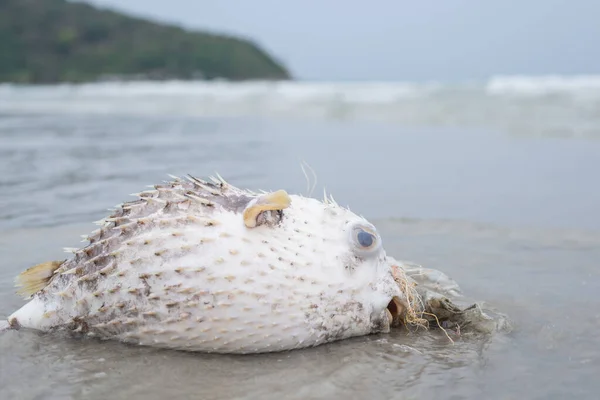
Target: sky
387, 40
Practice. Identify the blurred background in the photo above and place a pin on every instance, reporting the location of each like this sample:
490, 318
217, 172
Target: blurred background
467, 131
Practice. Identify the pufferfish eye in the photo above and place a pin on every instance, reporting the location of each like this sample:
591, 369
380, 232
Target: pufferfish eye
365, 238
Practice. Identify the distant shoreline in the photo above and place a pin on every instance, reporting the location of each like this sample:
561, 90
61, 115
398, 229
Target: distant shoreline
64, 42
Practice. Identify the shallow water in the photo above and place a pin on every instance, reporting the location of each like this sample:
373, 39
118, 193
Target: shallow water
512, 218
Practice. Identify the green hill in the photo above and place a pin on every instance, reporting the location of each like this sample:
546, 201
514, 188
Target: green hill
45, 41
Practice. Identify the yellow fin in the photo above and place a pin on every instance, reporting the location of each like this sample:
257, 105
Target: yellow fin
278, 200
36, 278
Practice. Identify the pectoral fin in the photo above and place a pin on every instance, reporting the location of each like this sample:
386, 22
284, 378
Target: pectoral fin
275, 201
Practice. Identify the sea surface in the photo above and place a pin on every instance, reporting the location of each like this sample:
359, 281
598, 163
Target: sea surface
495, 183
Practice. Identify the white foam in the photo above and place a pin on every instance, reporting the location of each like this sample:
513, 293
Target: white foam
207, 98
507, 102
352, 92
543, 85
370, 91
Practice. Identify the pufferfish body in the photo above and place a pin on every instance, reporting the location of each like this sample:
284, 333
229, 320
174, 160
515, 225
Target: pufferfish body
204, 266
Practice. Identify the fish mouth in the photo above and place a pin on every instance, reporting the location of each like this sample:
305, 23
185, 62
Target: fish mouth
394, 311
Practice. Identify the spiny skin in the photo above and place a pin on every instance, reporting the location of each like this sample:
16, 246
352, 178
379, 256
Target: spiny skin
178, 268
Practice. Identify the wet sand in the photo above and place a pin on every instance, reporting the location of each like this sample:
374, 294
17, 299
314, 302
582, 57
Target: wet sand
513, 220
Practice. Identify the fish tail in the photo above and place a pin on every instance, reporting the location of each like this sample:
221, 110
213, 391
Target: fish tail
36, 278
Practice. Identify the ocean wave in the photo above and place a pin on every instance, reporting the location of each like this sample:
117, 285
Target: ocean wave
222, 90
360, 92
557, 106
543, 85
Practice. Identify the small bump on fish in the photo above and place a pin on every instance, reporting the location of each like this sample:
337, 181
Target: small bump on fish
149, 314
116, 219
73, 271
141, 221
126, 228
164, 223
86, 278
170, 287
107, 269
132, 310
199, 199
114, 289
203, 186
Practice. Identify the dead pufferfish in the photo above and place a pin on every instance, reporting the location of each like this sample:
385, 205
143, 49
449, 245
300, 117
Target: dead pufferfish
205, 266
